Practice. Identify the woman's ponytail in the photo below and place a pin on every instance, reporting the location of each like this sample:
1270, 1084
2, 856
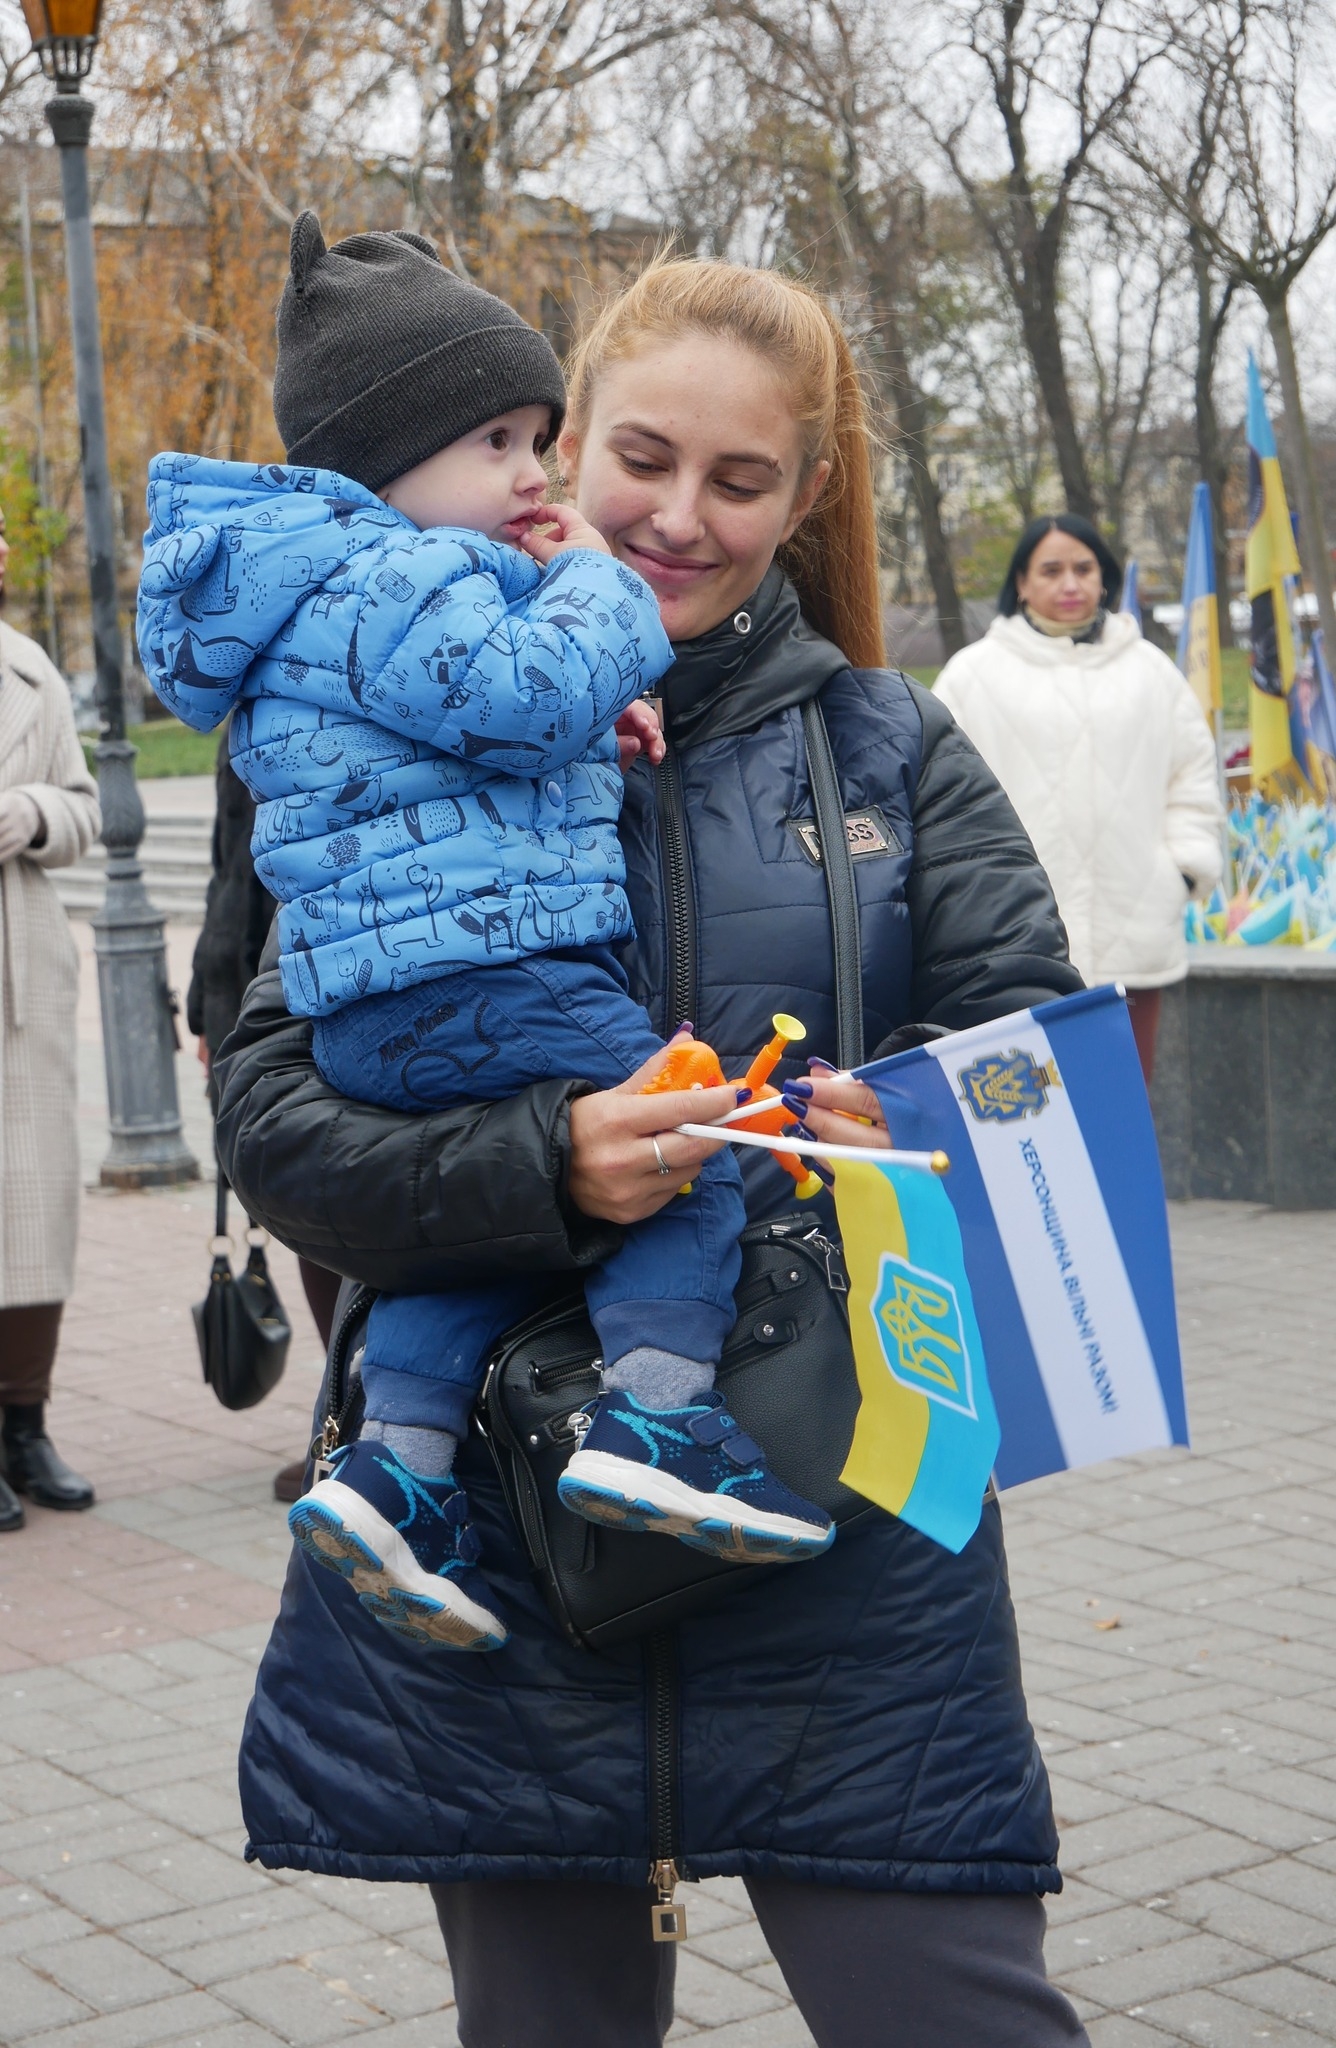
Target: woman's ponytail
832, 558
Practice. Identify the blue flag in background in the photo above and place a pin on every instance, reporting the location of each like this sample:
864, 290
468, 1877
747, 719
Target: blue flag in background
1063, 1249
1131, 600
1199, 635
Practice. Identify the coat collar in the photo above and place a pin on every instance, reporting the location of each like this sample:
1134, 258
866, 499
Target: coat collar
1019, 638
20, 692
762, 659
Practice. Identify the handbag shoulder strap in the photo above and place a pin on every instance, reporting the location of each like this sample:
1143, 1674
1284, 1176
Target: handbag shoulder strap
841, 894
219, 1199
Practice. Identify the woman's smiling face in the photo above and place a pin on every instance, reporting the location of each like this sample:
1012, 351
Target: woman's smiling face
690, 466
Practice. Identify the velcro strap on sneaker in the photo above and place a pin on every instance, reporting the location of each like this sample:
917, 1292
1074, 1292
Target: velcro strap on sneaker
719, 1429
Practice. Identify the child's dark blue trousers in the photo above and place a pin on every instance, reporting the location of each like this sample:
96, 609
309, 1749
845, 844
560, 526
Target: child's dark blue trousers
483, 1034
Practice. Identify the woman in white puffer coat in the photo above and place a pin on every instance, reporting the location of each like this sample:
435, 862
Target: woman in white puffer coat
1106, 755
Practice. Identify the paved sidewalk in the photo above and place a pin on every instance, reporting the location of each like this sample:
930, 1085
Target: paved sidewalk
1177, 1620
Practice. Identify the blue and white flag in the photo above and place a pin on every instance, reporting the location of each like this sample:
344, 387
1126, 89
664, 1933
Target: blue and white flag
1055, 1183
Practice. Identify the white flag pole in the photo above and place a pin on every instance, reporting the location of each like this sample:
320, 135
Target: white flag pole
806, 1148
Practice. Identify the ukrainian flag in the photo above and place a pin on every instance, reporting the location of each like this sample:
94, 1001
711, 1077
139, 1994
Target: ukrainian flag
927, 1431
1199, 636
1271, 558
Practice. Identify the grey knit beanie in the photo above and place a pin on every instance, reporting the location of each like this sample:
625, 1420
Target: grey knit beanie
385, 356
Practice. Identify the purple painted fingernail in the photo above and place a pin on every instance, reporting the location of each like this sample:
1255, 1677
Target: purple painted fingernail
798, 1088
745, 1094
822, 1066
823, 1173
686, 1029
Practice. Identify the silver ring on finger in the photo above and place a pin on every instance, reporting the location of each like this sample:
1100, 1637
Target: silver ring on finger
664, 1167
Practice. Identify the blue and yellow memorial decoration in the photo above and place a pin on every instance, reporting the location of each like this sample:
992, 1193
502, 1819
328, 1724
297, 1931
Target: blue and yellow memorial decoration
927, 1434
1272, 565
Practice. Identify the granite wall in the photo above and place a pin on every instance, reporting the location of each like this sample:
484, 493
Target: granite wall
1245, 1078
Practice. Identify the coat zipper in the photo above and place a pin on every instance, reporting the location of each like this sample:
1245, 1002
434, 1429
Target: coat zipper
680, 909
336, 1406
668, 1920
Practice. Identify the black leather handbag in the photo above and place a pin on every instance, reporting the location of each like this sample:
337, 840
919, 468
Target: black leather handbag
787, 1371
241, 1325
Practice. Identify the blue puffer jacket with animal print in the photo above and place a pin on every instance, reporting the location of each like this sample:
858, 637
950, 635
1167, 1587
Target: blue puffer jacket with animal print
424, 718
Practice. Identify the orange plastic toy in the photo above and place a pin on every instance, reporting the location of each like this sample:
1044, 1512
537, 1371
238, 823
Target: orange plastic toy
693, 1064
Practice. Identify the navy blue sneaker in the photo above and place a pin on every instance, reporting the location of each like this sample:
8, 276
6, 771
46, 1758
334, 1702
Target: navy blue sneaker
692, 1473
405, 1545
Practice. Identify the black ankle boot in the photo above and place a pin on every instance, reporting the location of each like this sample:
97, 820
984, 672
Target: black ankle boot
34, 1466
11, 1509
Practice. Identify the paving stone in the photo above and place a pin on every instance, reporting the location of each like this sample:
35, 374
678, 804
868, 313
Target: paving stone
1294, 1882
1116, 2030
1294, 1993
388, 1976
193, 2015
192, 1806
783, 2028
1218, 2021
431, 2030
273, 1939
195, 1872
708, 1995
1105, 1937
31, 2004
236, 2034
1203, 1852
299, 2005
1157, 1972
740, 1946
1123, 1833
104, 1971
1250, 1919
1240, 1809
108, 1893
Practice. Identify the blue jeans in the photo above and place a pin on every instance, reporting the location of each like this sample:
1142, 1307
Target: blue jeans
482, 1034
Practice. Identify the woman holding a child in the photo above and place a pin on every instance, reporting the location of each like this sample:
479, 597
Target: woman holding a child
849, 1735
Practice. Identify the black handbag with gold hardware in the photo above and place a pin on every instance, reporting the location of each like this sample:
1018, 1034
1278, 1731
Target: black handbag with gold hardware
241, 1325
788, 1376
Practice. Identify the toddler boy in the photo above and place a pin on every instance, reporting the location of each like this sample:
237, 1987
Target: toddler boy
427, 721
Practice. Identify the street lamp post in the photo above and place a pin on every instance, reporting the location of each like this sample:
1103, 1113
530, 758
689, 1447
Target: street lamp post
138, 1029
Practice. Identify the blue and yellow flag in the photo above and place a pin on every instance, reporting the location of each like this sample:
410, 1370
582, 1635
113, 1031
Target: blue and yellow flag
1271, 558
1015, 1317
1199, 635
1313, 719
927, 1432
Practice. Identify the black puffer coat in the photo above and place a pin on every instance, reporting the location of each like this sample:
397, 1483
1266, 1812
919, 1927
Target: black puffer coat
238, 911
858, 1720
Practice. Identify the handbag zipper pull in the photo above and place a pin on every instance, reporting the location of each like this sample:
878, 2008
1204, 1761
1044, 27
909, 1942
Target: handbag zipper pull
669, 1920
325, 1449
836, 1278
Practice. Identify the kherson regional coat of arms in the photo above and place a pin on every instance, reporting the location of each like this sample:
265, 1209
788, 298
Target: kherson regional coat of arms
1002, 1087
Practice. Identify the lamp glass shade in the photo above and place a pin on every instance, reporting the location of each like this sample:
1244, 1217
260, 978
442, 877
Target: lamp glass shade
69, 20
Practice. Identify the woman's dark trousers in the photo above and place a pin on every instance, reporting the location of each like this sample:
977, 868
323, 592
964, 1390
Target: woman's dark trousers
539, 1965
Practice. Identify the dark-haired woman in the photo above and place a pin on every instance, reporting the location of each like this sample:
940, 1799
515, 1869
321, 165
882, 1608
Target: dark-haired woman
1104, 751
